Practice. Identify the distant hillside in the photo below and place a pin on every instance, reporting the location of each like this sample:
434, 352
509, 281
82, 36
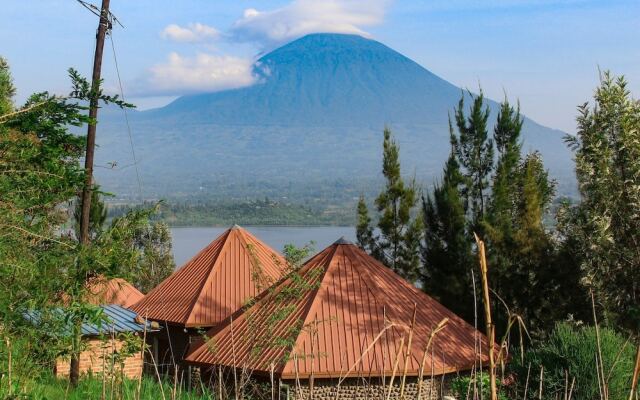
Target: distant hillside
314, 121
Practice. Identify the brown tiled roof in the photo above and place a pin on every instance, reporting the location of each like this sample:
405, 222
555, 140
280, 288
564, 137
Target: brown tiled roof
219, 280
348, 300
118, 291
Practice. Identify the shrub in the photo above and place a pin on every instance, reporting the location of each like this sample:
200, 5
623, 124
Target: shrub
570, 353
462, 387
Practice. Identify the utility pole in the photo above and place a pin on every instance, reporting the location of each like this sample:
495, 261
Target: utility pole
103, 27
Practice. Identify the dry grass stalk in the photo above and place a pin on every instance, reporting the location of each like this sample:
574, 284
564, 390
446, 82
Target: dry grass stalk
636, 375
573, 382
526, 382
155, 367
432, 335
541, 379
362, 354
487, 313
395, 368
142, 347
599, 364
407, 354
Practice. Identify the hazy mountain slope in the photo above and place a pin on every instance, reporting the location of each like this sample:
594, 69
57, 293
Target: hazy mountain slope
315, 117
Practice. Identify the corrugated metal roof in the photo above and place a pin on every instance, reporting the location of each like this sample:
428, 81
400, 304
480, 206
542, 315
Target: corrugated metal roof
347, 299
113, 291
117, 319
219, 280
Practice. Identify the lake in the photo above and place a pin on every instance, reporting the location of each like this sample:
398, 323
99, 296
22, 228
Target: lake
188, 241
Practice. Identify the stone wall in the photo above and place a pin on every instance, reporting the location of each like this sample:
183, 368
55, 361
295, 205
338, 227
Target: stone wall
97, 356
363, 389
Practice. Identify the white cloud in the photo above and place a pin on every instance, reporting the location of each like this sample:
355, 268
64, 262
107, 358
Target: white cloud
207, 72
202, 73
302, 17
192, 33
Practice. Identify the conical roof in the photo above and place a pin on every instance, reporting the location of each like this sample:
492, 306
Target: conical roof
102, 291
219, 280
343, 314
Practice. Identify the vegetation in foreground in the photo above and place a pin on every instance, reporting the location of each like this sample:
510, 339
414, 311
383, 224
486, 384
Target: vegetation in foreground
94, 387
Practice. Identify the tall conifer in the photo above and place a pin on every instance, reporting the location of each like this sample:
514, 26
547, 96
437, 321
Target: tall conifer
400, 233
475, 154
447, 254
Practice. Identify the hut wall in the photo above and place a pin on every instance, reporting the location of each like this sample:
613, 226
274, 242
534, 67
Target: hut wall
365, 389
97, 358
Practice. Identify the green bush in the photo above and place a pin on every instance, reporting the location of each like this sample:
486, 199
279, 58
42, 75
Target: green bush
571, 351
462, 387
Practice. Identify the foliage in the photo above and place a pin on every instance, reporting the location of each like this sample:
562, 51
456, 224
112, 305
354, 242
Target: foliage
398, 243
151, 242
475, 153
464, 387
43, 264
447, 253
510, 218
91, 387
605, 226
7, 90
570, 353
39, 173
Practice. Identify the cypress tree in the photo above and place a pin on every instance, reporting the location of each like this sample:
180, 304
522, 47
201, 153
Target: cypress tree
398, 243
364, 231
447, 254
475, 154
398, 239
506, 135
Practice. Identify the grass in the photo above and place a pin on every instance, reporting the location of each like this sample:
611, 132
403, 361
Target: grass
51, 388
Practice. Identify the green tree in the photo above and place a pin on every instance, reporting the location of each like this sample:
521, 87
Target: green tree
364, 230
605, 226
156, 263
400, 233
506, 135
447, 254
7, 90
475, 152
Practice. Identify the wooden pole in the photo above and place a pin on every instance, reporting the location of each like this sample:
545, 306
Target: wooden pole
490, 330
103, 27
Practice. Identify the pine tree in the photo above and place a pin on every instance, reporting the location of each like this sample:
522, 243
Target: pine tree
364, 230
475, 154
7, 90
399, 241
447, 254
506, 135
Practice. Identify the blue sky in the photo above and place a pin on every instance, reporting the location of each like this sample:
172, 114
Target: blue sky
545, 53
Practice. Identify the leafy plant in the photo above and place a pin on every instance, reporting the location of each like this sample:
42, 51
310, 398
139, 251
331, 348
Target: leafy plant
570, 353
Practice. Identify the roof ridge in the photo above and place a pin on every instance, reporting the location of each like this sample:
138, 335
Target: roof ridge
211, 272
315, 295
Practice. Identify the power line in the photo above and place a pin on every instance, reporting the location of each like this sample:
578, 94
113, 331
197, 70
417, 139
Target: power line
126, 118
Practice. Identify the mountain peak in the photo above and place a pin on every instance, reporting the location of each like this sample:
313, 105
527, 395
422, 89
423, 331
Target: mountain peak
334, 44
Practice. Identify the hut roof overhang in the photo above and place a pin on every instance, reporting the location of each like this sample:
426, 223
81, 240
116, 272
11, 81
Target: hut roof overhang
352, 320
